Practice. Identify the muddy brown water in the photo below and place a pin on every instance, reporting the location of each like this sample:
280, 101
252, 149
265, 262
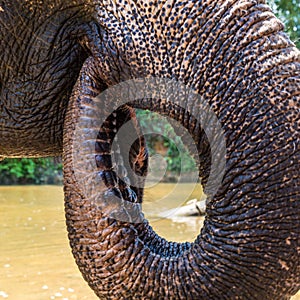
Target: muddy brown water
35, 258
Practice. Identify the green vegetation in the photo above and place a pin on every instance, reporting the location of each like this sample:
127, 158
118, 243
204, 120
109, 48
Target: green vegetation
48, 170
30, 171
162, 139
288, 11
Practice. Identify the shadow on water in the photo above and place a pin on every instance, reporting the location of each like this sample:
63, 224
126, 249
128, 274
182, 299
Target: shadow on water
35, 258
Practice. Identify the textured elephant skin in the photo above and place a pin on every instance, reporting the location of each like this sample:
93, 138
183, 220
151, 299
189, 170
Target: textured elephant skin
56, 57
40, 61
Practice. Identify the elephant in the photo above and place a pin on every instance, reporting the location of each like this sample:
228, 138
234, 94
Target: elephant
58, 56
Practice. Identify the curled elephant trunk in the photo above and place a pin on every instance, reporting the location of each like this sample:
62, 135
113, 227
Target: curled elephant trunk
231, 78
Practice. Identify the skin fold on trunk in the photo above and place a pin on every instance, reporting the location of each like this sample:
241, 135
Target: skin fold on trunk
233, 54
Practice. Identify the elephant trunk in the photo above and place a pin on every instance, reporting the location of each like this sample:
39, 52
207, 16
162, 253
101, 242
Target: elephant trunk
121, 257
117, 251
247, 71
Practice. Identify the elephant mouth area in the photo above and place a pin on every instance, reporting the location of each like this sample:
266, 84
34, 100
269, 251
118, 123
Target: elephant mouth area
173, 199
142, 195
121, 164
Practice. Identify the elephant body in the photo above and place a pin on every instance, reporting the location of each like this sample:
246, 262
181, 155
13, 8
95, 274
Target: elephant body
232, 53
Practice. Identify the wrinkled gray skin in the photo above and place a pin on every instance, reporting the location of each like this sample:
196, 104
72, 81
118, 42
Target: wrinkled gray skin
56, 56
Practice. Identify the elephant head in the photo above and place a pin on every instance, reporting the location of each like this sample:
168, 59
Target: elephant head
231, 54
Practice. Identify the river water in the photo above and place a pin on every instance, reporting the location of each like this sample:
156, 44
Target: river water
35, 258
